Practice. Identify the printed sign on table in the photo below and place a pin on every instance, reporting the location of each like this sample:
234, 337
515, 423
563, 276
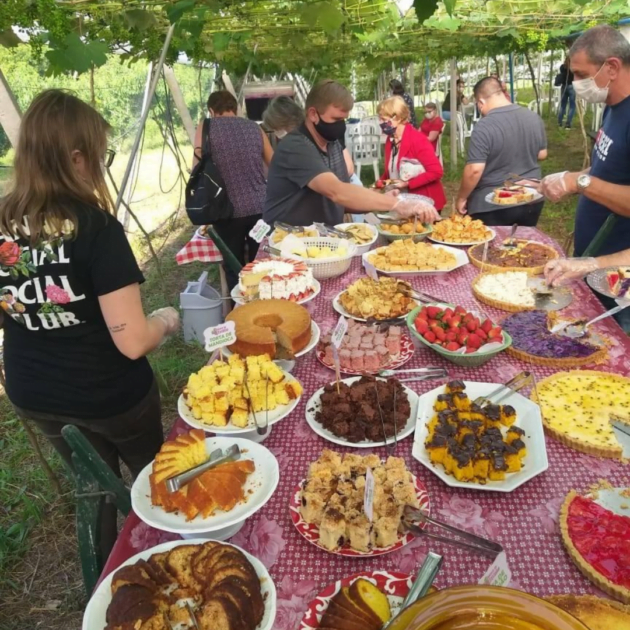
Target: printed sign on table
339, 332
368, 497
259, 231
220, 336
499, 573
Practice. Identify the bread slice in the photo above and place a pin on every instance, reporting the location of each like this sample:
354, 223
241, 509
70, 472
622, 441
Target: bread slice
157, 562
199, 557
337, 610
343, 599
339, 623
239, 598
237, 570
219, 613
252, 589
178, 563
369, 598
133, 574
218, 557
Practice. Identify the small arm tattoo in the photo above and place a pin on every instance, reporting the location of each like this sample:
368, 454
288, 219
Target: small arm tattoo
117, 328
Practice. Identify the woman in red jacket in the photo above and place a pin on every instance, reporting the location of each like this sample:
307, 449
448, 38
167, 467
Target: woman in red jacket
407, 149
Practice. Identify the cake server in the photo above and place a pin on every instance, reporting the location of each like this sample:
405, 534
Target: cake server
509, 243
503, 391
173, 484
578, 329
411, 517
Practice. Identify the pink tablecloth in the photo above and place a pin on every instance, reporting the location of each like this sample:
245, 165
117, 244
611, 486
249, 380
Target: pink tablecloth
525, 521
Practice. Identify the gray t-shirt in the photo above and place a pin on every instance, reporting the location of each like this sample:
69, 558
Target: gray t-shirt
296, 162
508, 141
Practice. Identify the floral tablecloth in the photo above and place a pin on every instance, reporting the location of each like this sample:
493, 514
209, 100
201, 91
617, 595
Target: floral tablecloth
525, 521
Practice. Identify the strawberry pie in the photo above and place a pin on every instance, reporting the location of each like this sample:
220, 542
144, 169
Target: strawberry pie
598, 541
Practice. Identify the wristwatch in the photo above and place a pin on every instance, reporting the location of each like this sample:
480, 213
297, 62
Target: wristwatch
583, 182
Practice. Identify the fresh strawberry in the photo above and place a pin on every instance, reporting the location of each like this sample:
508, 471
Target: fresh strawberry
452, 346
460, 310
474, 341
430, 336
439, 343
451, 335
455, 321
505, 194
448, 313
440, 334
481, 334
421, 325
379, 184
495, 334
446, 319
462, 337
486, 326
434, 311
470, 350
472, 325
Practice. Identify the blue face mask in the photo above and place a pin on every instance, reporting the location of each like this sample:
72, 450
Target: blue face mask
387, 128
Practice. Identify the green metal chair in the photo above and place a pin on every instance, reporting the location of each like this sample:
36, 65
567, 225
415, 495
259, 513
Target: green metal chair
228, 257
95, 482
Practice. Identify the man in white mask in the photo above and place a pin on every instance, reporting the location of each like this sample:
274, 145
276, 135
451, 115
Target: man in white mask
600, 61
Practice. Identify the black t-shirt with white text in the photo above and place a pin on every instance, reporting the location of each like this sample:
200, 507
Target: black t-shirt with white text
58, 352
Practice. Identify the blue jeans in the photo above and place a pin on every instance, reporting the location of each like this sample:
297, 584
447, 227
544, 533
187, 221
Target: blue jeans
568, 96
446, 115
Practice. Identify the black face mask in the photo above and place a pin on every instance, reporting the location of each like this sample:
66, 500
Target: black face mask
331, 131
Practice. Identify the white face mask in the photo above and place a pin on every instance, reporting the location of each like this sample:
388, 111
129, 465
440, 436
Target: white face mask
280, 134
589, 91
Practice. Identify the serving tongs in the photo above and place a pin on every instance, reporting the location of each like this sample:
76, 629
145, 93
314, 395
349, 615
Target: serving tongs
191, 614
408, 291
291, 229
413, 518
173, 484
503, 391
426, 374
329, 230
261, 429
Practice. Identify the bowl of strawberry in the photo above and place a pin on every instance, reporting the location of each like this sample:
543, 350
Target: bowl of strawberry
466, 338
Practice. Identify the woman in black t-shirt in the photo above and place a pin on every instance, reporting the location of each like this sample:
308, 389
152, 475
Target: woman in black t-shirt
75, 335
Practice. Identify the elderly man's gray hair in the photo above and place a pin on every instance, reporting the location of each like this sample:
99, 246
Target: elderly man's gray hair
602, 42
283, 113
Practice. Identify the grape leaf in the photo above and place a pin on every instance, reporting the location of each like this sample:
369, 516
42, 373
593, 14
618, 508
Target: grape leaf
9, 39
449, 5
140, 19
425, 9
176, 11
221, 41
74, 55
328, 16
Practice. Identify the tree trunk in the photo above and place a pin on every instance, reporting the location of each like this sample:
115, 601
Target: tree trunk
533, 75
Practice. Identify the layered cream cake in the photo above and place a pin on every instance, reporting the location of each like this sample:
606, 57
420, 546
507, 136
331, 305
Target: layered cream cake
277, 278
619, 282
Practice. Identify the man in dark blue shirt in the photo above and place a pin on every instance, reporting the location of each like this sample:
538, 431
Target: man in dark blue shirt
600, 61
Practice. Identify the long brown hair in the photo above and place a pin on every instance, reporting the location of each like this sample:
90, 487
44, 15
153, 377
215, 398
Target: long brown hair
56, 124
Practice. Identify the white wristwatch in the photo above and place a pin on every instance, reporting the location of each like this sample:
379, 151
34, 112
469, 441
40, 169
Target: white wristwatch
583, 182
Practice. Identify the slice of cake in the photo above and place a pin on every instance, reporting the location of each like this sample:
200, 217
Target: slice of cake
509, 195
277, 278
619, 282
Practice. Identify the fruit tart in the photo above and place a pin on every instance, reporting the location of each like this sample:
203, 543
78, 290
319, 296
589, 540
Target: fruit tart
598, 541
526, 256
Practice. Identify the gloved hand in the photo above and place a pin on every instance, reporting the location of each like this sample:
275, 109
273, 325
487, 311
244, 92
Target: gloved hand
170, 317
407, 208
565, 270
554, 187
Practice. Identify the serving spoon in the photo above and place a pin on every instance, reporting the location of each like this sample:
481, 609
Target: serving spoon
576, 330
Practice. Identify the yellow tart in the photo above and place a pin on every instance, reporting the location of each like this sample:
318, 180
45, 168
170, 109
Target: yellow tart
577, 408
595, 612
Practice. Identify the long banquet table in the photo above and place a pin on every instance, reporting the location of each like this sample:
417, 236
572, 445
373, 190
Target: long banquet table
525, 521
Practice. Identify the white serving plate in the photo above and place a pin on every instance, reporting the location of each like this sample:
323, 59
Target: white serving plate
528, 418
342, 311
313, 405
598, 281
258, 488
279, 413
461, 259
94, 617
486, 240
537, 197
237, 296
361, 249
315, 335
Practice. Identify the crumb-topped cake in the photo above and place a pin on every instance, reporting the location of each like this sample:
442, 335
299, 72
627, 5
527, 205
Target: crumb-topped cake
526, 256
332, 498
619, 282
278, 278
598, 541
532, 340
578, 406
468, 441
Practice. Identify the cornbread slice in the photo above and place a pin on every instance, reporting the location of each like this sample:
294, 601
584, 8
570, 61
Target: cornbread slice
596, 612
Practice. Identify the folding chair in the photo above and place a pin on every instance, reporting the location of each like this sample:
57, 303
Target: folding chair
366, 149
95, 482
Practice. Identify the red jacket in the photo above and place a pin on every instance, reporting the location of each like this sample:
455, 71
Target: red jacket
414, 145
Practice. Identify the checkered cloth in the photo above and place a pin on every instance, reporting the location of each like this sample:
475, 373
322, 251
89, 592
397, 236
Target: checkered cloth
199, 248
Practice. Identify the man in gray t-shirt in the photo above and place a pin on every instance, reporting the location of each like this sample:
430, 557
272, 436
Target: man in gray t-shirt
508, 140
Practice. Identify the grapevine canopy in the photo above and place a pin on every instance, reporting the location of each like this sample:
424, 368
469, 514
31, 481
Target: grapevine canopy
293, 35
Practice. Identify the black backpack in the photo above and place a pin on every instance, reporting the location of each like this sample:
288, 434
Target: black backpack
206, 195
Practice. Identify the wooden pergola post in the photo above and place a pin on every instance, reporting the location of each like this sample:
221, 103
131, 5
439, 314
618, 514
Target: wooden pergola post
454, 111
10, 114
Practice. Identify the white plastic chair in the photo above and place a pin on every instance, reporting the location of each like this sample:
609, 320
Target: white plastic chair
352, 130
461, 132
366, 149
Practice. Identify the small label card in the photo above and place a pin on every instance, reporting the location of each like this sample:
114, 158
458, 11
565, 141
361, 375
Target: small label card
370, 269
499, 573
340, 331
368, 497
220, 336
259, 231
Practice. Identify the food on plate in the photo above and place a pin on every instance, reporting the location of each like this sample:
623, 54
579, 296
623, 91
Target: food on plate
382, 183
279, 278
460, 229
275, 327
332, 498
596, 613
532, 340
406, 255
382, 299
320, 253
619, 282
508, 195
360, 233
280, 234
220, 488
360, 604
597, 540
364, 348
404, 228
220, 393
469, 441
217, 580
509, 288
456, 328
578, 407
353, 412
528, 256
